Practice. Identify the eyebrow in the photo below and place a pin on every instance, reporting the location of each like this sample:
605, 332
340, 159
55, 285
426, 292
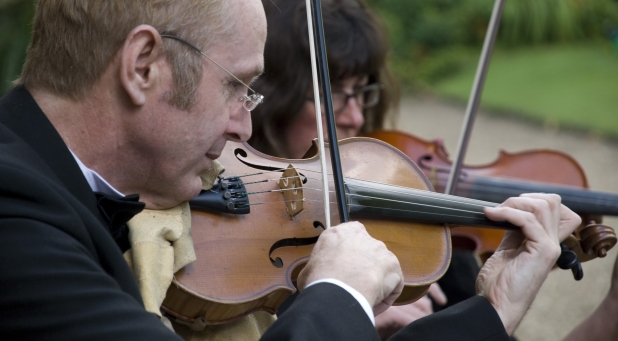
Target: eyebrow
257, 72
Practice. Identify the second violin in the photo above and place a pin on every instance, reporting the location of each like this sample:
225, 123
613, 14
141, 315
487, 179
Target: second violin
512, 174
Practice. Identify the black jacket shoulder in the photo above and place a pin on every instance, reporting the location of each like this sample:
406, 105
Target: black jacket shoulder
62, 276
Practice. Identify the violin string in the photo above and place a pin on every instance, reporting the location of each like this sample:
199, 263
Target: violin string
262, 173
452, 211
279, 178
382, 199
282, 170
418, 193
409, 203
274, 179
283, 189
421, 212
280, 201
370, 197
461, 186
271, 202
422, 194
571, 197
410, 191
445, 215
433, 195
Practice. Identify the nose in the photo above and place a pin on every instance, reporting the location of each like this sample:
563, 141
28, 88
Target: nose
239, 126
351, 116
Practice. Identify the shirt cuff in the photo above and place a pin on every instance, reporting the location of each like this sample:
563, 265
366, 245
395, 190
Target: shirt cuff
357, 295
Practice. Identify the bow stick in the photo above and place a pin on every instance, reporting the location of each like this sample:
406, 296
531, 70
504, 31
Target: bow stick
568, 259
316, 37
475, 96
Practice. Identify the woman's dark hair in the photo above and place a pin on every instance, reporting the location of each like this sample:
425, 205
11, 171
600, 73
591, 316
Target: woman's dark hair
356, 45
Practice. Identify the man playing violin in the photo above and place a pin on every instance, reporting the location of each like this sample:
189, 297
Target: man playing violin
140, 97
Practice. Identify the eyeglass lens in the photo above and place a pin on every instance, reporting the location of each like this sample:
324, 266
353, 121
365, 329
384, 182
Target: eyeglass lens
365, 97
250, 102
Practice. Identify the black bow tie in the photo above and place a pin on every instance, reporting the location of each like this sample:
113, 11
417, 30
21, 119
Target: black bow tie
116, 212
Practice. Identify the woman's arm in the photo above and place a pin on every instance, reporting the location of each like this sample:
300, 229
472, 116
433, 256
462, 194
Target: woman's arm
602, 324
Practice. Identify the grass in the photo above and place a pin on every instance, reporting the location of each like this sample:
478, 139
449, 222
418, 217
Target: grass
572, 86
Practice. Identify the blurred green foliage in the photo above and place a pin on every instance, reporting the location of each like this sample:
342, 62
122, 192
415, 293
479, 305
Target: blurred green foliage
15, 25
570, 86
432, 39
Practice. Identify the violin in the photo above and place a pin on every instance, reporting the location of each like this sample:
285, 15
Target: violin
255, 229
248, 251
512, 174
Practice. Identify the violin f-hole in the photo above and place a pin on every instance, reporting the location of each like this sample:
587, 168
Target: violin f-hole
317, 224
278, 262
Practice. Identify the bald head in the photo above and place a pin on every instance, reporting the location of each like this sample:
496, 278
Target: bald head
249, 16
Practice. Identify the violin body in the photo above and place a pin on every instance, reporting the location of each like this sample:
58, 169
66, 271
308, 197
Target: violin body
542, 167
235, 275
246, 262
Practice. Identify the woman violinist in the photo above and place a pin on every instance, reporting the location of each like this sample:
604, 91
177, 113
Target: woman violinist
364, 92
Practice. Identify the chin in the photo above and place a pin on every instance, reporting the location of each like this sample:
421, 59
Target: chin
189, 189
194, 190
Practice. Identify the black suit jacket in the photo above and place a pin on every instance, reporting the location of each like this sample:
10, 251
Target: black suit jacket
62, 277
327, 312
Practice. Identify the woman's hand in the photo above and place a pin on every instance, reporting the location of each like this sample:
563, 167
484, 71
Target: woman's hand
397, 317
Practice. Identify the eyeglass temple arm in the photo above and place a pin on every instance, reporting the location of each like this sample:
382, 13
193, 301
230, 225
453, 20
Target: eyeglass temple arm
203, 54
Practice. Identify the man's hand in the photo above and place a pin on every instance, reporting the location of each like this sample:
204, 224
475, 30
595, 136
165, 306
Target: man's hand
512, 277
348, 253
397, 317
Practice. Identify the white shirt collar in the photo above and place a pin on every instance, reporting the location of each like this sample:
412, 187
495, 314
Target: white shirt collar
96, 182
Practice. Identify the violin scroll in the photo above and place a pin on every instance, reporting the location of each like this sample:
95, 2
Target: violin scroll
596, 239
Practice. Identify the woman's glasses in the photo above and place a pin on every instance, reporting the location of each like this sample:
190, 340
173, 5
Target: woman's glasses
366, 97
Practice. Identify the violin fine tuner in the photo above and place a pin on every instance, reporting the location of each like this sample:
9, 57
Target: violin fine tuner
227, 195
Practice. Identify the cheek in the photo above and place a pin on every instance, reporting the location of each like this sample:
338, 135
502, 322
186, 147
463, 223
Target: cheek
301, 132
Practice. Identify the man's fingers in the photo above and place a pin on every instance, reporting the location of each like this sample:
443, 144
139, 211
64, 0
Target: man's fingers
544, 207
569, 220
527, 221
393, 280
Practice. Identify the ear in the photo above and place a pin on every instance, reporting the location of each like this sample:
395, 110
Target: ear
140, 63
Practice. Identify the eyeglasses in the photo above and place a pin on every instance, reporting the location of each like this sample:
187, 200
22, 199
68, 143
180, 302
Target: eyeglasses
249, 101
366, 97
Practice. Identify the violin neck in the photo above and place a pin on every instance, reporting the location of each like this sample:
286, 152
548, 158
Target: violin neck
371, 199
580, 200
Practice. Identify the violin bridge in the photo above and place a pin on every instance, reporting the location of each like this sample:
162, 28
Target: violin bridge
292, 189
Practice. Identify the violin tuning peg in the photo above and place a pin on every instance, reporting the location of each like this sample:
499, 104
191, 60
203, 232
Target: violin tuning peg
578, 272
568, 260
